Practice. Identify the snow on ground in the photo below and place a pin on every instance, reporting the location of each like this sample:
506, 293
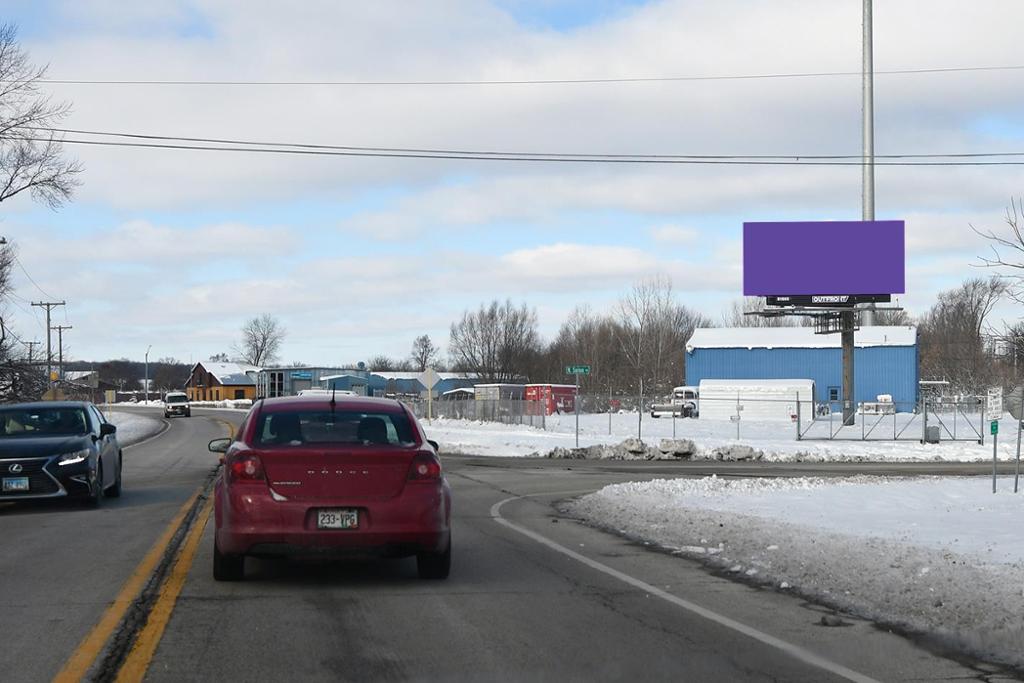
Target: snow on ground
937, 556
773, 440
133, 427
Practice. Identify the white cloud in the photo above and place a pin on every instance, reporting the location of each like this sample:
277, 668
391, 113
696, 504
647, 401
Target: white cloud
674, 234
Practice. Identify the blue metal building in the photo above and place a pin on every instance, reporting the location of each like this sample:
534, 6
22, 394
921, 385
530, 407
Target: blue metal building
885, 359
388, 383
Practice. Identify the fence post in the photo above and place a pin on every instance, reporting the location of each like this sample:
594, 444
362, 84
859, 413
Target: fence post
798, 416
609, 410
863, 423
924, 420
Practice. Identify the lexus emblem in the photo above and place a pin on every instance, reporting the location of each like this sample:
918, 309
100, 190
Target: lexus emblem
15, 468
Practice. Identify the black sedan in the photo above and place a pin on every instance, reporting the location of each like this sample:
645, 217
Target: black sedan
58, 449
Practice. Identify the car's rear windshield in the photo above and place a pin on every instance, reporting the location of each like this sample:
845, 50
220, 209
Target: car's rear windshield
176, 398
353, 428
16, 422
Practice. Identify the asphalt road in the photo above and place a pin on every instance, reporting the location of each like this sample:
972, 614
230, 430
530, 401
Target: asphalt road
532, 595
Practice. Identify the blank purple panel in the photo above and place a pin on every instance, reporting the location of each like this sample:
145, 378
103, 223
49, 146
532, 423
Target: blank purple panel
823, 257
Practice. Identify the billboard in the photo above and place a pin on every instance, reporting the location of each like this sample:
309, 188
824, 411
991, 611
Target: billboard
822, 258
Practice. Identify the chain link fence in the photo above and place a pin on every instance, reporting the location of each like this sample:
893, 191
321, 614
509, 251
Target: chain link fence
800, 417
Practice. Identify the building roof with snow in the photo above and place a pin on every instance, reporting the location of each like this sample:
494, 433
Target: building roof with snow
229, 374
795, 338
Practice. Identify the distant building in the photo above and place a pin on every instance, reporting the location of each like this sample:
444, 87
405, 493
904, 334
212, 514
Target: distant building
209, 381
273, 382
885, 359
397, 384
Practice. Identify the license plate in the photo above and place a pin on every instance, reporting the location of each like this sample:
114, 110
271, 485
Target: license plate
337, 518
15, 484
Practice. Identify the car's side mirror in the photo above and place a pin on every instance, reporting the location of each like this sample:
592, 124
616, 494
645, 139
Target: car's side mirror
106, 429
437, 446
219, 445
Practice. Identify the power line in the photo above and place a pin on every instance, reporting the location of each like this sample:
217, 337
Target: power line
415, 150
597, 159
532, 81
21, 265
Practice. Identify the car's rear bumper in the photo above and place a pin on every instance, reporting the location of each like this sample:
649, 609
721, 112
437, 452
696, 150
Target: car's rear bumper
254, 523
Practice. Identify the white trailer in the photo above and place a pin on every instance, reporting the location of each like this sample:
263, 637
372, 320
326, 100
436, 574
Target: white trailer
756, 399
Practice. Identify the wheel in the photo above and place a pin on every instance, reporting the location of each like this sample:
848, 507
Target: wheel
654, 414
434, 565
188, 413
167, 416
115, 489
227, 567
95, 496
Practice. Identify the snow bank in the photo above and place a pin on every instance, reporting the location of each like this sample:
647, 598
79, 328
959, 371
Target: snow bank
774, 441
133, 427
936, 556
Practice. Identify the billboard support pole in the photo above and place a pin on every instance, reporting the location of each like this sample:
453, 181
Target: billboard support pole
847, 326
868, 112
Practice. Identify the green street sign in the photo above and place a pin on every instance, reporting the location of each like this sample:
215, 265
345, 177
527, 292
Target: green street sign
995, 427
577, 369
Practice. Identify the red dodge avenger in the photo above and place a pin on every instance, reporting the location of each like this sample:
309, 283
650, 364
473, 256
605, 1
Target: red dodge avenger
326, 475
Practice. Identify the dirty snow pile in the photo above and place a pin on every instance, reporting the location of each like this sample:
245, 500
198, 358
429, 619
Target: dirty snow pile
942, 557
715, 439
133, 427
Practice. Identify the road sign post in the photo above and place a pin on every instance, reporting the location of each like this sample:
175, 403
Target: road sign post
994, 411
429, 378
577, 370
1015, 405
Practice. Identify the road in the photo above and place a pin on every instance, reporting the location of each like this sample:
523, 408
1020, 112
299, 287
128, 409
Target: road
532, 596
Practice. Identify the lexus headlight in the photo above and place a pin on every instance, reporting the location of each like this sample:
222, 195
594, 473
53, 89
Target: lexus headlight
73, 458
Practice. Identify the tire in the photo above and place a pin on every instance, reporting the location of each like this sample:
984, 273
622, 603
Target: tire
227, 567
188, 413
95, 497
115, 489
434, 566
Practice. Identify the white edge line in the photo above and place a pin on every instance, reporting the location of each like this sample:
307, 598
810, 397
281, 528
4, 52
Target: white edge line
792, 650
167, 426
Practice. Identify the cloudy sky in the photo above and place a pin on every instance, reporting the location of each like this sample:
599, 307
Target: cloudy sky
357, 256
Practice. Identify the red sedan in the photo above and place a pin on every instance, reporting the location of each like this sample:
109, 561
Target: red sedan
324, 475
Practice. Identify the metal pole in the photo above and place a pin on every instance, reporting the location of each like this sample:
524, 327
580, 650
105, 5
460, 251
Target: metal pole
868, 132
609, 410
847, 325
576, 409
798, 416
640, 410
147, 371
1016, 474
995, 439
737, 416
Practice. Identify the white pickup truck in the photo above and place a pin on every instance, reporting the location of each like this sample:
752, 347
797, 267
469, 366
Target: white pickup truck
684, 403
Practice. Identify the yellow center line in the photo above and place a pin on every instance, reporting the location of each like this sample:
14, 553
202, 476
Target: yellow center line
137, 663
85, 654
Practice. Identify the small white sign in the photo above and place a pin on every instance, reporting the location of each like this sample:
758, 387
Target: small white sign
429, 378
994, 404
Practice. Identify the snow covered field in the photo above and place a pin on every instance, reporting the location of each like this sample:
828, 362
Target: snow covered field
774, 440
133, 427
939, 556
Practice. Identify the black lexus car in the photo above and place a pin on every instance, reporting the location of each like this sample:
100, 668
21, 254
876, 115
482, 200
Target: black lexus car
58, 449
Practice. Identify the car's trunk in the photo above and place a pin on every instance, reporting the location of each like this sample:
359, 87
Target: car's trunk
353, 473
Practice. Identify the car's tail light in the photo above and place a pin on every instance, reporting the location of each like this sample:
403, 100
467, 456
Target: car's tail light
246, 467
425, 467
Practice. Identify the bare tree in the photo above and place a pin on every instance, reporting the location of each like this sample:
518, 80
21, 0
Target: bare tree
953, 339
424, 353
262, 337
31, 154
498, 341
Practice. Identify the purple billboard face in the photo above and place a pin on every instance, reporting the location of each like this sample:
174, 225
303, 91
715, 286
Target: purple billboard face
823, 257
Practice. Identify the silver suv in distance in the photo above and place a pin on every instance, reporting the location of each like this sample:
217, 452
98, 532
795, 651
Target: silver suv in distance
176, 403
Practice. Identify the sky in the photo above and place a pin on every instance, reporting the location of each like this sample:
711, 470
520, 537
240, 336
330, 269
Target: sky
357, 256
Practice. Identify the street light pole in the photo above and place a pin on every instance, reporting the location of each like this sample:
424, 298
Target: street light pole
147, 372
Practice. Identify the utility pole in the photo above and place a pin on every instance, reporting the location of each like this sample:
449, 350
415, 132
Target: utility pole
147, 371
848, 319
60, 348
30, 345
48, 305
